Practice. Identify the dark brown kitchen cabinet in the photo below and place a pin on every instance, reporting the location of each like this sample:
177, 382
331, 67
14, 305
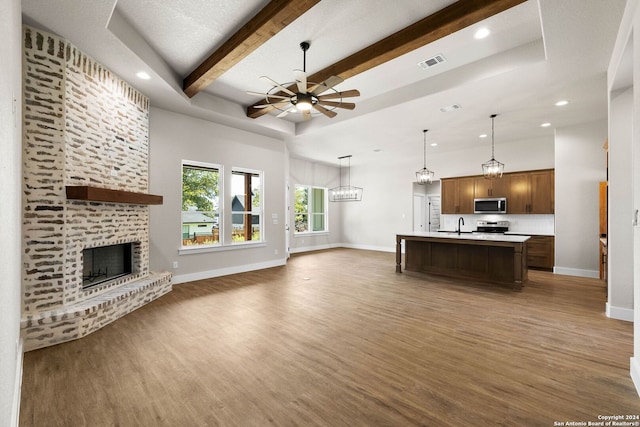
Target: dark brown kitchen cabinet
519, 195
541, 252
531, 192
542, 192
457, 195
498, 187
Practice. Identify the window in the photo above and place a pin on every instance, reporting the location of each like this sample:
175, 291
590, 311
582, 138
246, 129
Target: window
246, 205
201, 185
310, 209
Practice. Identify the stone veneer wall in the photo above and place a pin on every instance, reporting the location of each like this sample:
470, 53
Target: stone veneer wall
82, 126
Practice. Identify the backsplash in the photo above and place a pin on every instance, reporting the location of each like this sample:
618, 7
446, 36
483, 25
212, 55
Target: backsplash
526, 224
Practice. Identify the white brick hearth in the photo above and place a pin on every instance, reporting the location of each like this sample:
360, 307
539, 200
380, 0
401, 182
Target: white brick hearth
82, 126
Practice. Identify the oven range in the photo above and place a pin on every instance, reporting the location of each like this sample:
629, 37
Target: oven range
492, 226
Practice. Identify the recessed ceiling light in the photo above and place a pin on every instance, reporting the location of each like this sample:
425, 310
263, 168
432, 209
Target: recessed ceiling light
434, 144
484, 135
450, 108
482, 33
546, 125
561, 103
377, 150
143, 75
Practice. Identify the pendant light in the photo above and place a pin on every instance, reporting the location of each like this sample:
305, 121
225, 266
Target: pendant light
345, 193
492, 168
424, 175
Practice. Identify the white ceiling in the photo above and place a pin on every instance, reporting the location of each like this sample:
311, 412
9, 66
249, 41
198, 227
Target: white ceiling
538, 53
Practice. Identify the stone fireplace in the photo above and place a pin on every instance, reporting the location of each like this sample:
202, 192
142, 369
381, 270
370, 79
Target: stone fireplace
83, 128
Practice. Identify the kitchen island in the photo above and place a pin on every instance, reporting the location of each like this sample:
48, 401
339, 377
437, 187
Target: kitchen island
496, 258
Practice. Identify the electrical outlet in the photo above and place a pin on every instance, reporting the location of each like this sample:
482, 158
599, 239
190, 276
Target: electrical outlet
175, 264
275, 252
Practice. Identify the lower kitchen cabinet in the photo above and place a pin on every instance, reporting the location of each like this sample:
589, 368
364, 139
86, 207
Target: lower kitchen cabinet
541, 252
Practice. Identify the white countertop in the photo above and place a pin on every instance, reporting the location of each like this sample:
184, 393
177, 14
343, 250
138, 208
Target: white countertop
522, 233
493, 237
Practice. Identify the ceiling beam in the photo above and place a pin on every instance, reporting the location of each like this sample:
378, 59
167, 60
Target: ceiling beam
267, 23
444, 22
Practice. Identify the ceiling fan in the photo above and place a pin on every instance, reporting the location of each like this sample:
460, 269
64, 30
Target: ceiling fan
304, 96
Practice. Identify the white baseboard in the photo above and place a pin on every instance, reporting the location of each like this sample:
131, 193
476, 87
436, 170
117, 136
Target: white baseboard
592, 274
302, 249
343, 245
635, 373
200, 275
17, 386
369, 248
619, 313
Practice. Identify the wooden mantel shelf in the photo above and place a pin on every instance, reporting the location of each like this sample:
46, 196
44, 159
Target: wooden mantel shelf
96, 194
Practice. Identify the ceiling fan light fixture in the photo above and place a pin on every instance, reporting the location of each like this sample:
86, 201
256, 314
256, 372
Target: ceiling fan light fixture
304, 96
303, 101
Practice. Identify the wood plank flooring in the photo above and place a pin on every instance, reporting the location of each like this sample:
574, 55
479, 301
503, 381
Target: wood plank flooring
337, 338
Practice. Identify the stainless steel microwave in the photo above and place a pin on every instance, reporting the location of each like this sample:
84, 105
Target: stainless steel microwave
491, 205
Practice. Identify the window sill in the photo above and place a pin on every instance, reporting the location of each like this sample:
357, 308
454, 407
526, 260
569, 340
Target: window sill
186, 250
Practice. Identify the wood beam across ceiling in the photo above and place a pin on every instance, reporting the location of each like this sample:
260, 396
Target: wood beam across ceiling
444, 22
268, 22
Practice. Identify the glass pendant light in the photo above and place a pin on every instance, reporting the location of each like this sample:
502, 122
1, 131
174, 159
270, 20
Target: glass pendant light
424, 175
492, 168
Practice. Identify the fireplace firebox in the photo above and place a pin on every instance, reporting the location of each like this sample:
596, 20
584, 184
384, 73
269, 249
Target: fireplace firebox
105, 263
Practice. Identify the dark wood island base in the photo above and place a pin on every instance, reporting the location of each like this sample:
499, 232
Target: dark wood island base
498, 259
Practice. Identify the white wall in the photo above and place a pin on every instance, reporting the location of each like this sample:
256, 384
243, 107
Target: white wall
175, 137
307, 173
620, 212
580, 166
11, 212
526, 154
624, 138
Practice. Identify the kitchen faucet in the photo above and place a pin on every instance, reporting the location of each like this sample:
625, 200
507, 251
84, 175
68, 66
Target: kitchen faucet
459, 221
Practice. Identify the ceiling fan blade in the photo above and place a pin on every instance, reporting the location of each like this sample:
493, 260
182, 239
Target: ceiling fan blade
301, 80
267, 95
345, 94
306, 115
347, 105
273, 104
328, 113
276, 84
325, 85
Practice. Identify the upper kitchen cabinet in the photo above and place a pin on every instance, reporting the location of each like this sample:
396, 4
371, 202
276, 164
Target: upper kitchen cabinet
457, 195
498, 187
527, 192
531, 192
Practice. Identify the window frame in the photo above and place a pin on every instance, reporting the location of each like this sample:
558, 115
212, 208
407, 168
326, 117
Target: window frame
310, 212
220, 211
236, 170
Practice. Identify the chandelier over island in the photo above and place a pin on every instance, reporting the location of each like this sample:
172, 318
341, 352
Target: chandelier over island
424, 175
492, 168
345, 193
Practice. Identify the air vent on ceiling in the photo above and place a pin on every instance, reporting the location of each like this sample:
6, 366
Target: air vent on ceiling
450, 108
431, 62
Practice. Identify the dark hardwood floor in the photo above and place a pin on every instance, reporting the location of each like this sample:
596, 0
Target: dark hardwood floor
337, 338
